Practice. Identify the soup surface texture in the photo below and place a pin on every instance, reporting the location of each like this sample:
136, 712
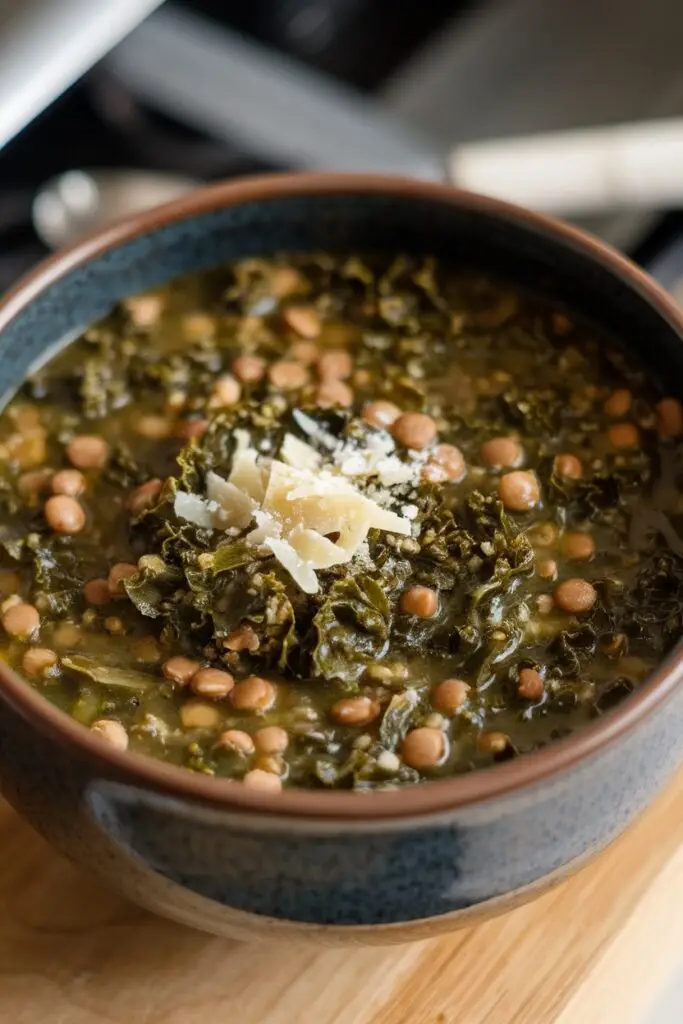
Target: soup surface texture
339, 522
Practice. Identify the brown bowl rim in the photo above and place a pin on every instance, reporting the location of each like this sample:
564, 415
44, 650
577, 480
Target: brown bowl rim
436, 797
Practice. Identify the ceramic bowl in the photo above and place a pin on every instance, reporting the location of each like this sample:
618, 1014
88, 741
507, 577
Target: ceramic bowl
339, 866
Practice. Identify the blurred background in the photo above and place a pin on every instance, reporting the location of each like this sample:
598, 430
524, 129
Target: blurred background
217, 88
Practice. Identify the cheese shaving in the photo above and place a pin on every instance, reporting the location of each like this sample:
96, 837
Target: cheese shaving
297, 507
246, 475
301, 571
236, 505
299, 454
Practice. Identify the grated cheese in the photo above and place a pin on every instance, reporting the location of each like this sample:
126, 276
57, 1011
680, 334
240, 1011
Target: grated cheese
195, 509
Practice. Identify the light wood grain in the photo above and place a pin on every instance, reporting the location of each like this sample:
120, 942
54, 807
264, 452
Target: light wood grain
71, 952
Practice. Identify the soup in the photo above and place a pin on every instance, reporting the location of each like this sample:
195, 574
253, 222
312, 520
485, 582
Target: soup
339, 522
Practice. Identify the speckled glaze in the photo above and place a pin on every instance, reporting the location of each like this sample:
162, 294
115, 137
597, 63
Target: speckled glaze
342, 867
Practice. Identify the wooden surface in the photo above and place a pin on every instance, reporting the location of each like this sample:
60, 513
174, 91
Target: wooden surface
598, 949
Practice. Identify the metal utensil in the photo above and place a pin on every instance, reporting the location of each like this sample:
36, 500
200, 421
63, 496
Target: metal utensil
235, 89
46, 45
77, 202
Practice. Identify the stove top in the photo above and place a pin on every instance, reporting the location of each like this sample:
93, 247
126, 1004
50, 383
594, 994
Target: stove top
96, 124
99, 123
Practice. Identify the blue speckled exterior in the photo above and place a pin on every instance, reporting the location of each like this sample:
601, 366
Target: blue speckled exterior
233, 872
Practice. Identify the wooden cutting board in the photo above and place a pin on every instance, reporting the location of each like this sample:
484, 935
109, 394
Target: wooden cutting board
589, 952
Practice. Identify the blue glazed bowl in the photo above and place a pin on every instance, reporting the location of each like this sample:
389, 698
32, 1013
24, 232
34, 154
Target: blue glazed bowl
337, 866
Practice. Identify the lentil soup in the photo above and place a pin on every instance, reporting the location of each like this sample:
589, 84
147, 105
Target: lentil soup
339, 522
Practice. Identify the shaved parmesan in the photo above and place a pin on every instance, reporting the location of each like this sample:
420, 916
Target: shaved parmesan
299, 454
298, 506
383, 519
301, 571
237, 508
266, 526
318, 550
247, 475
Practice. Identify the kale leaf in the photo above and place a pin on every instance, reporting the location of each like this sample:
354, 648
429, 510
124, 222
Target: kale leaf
352, 627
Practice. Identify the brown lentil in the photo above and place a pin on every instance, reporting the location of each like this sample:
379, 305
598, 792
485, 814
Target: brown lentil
501, 453
530, 684
335, 364
414, 430
117, 574
493, 742
212, 682
242, 639
197, 326
68, 481
519, 491
446, 463
112, 732
286, 281
575, 596
361, 378
619, 403
333, 392
423, 602
180, 670
568, 466
624, 435
423, 748
88, 451
97, 592
38, 660
64, 514
303, 320
249, 369
305, 352
669, 418
381, 414
226, 391
288, 376
253, 694
271, 740
195, 714
547, 568
144, 496
355, 710
578, 546
262, 782
237, 741
21, 621
153, 427
450, 695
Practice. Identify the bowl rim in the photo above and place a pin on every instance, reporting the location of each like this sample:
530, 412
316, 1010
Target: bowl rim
437, 797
